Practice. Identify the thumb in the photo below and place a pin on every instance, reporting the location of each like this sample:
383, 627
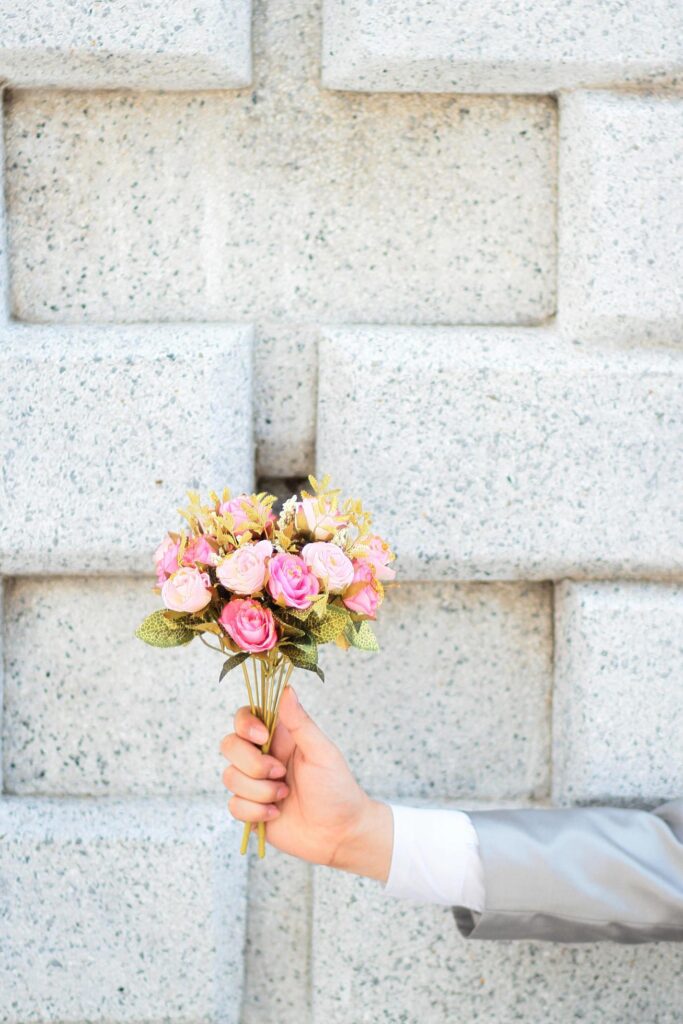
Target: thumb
311, 741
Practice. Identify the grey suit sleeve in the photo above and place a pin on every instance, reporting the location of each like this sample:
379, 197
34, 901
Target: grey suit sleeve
580, 875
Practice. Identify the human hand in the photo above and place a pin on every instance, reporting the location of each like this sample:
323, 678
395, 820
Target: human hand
304, 791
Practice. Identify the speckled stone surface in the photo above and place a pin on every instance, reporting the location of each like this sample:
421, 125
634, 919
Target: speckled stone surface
104, 429
120, 911
277, 952
283, 204
141, 44
457, 701
621, 217
497, 47
90, 709
617, 706
493, 453
379, 959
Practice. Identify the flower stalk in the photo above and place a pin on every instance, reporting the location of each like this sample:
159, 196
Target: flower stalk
270, 676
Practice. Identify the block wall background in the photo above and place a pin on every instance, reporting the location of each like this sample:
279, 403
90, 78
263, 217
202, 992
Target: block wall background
435, 249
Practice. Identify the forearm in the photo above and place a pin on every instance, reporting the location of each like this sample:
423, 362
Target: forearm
367, 850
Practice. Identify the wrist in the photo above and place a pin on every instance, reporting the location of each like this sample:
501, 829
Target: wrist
367, 849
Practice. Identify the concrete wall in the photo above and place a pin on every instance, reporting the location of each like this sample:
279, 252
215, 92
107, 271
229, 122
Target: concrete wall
432, 248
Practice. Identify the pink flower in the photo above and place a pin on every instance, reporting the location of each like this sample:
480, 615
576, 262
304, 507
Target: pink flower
244, 571
329, 563
363, 594
187, 590
166, 558
379, 555
199, 549
238, 509
315, 516
290, 582
250, 624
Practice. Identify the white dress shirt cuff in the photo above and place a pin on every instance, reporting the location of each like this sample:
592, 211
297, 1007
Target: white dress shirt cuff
435, 858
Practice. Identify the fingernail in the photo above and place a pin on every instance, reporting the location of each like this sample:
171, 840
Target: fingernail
271, 811
277, 771
281, 792
258, 733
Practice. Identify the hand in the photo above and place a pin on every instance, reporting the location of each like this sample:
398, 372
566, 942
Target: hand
312, 805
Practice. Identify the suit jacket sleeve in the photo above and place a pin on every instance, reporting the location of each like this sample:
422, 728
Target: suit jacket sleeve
580, 875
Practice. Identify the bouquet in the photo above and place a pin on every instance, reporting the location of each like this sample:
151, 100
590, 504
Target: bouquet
266, 590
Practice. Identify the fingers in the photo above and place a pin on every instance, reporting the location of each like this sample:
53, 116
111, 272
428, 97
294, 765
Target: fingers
311, 741
259, 791
248, 810
249, 727
249, 759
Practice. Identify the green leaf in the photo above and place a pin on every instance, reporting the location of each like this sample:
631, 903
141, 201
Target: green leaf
159, 631
301, 661
319, 607
303, 654
331, 625
362, 637
231, 663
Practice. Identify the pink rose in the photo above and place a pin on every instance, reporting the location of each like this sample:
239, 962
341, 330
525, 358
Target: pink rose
329, 563
244, 571
166, 559
250, 624
199, 549
240, 514
290, 582
379, 555
187, 590
363, 594
315, 516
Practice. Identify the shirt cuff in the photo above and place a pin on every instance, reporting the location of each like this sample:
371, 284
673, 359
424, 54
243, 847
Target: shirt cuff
435, 858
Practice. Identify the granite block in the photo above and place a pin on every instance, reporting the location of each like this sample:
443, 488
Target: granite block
120, 911
103, 431
494, 453
91, 710
382, 959
456, 703
138, 44
537, 46
617, 708
621, 218
284, 205
277, 953
281, 203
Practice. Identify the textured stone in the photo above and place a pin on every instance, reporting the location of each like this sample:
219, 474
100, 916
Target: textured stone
504, 454
618, 714
277, 967
621, 217
283, 204
120, 911
90, 709
378, 959
457, 701
497, 47
104, 430
142, 44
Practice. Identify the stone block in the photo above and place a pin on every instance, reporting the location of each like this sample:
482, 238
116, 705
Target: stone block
380, 959
621, 217
456, 703
138, 44
104, 430
536, 46
495, 453
285, 205
91, 710
278, 948
618, 714
120, 911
